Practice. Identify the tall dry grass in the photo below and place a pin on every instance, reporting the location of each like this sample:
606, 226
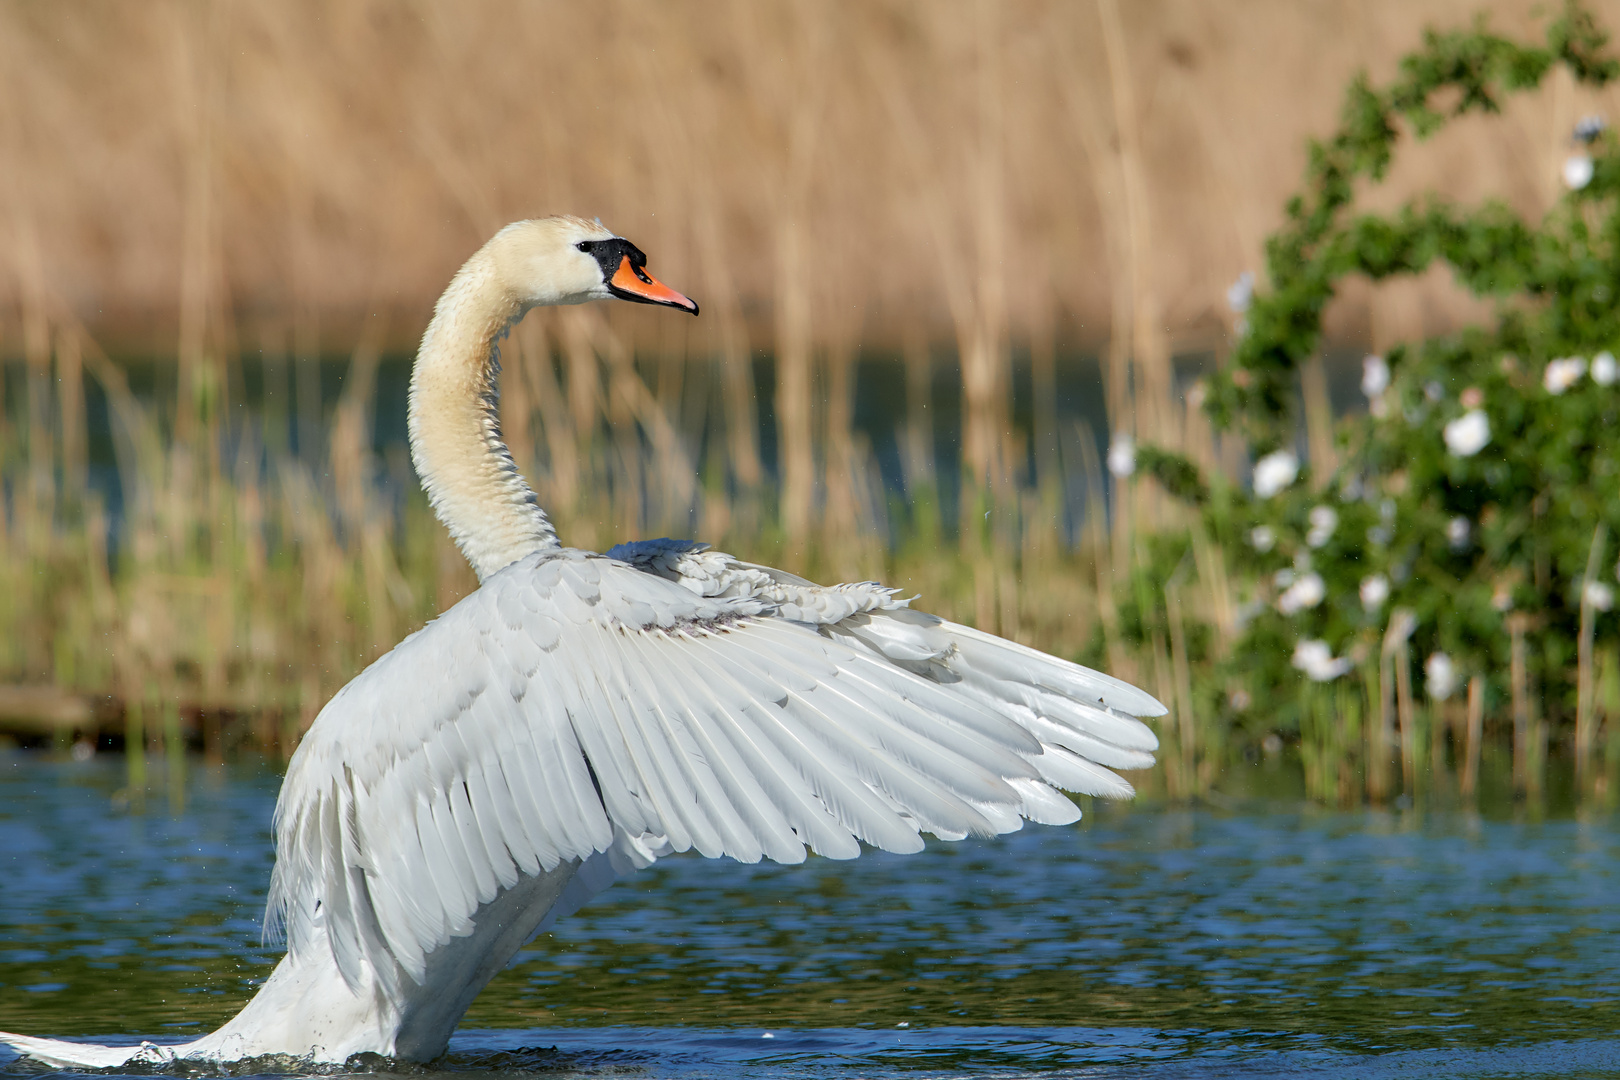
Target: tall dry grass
197, 176
180, 171
206, 180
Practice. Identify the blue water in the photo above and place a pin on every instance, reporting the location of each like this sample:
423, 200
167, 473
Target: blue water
1269, 940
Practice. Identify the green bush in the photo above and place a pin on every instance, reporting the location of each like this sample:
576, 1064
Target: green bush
1485, 477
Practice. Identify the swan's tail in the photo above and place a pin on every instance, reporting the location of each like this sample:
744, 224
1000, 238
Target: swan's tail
305, 1011
62, 1055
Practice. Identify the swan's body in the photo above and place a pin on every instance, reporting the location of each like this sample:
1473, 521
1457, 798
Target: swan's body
581, 715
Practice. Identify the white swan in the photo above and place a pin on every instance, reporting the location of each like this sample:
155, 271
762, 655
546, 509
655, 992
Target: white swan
580, 715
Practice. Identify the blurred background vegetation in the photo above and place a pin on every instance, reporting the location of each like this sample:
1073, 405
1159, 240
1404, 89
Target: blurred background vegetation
971, 274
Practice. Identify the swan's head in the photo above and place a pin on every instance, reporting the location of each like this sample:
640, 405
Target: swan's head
568, 260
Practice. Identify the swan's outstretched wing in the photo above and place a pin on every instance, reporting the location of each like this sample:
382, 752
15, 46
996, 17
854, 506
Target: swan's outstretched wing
577, 707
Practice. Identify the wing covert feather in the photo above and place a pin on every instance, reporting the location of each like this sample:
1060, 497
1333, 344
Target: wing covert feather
577, 709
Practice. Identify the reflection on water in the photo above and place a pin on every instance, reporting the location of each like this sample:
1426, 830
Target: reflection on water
1270, 941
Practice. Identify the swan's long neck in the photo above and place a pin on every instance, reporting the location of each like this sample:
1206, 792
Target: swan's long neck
455, 428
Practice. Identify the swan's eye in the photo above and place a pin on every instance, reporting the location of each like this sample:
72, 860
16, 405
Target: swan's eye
585, 246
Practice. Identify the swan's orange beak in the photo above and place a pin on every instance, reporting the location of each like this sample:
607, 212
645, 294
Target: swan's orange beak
631, 282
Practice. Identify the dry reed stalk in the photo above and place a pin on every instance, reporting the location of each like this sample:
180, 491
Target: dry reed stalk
135, 744
976, 304
174, 754
800, 123
1519, 675
366, 531
536, 368
1181, 668
793, 383
1044, 418
1380, 737
1350, 714
983, 349
1225, 184
1177, 784
1199, 439
1377, 734
1476, 735
1608, 696
706, 129
70, 411
1439, 715
1559, 106
1585, 676
34, 507
1009, 623
30, 288
1150, 352
631, 400
1211, 561
1100, 147
840, 516
307, 427
1318, 746
1120, 660
195, 51
275, 417
917, 446
351, 430
1410, 742
736, 359
1318, 421
584, 381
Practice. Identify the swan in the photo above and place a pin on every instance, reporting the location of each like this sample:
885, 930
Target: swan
580, 715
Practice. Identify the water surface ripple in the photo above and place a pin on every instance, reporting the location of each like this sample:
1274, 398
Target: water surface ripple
1269, 941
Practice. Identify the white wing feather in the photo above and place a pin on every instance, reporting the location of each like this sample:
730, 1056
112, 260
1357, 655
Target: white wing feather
604, 711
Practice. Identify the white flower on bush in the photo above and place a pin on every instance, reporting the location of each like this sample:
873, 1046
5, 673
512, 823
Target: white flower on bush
1274, 472
1262, 539
1604, 369
1598, 595
1324, 519
1315, 658
1440, 676
1245, 613
1468, 434
1307, 591
1458, 530
1563, 373
1374, 592
1577, 171
1374, 375
1122, 455
1240, 294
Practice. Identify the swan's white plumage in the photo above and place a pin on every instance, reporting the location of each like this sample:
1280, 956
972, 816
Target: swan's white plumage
576, 701
582, 715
